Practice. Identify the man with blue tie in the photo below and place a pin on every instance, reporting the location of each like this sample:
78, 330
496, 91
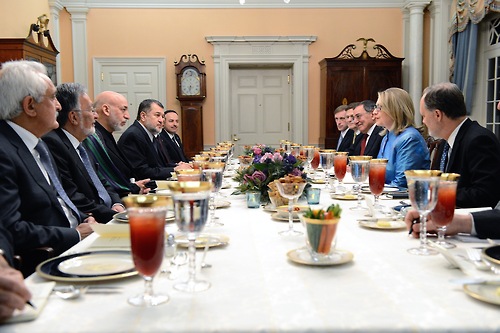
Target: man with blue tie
79, 178
171, 139
34, 210
469, 149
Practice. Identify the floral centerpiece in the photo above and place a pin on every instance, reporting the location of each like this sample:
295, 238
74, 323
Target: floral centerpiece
267, 166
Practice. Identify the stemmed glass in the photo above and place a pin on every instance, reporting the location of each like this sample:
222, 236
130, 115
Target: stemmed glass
442, 214
376, 179
295, 149
191, 214
326, 157
360, 166
184, 175
340, 168
315, 162
422, 189
213, 172
146, 215
291, 191
309, 154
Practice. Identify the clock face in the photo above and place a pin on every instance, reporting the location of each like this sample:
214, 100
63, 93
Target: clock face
190, 83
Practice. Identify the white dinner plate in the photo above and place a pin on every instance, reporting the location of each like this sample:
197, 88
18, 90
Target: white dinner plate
123, 217
202, 239
222, 204
337, 257
270, 208
280, 217
383, 224
346, 196
486, 292
387, 189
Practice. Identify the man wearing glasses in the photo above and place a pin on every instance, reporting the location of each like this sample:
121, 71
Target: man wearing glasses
367, 142
76, 119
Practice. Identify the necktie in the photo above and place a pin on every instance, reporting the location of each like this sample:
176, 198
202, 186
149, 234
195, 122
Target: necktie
161, 151
444, 157
363, 144
42, 149
175, 141
103, 194
354, 137
340, 141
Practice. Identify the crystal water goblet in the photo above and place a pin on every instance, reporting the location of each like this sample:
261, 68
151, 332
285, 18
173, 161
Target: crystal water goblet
443, 213
309, 154
360, 166
291, 191
191, 214
422, 189
326, 158
213, 172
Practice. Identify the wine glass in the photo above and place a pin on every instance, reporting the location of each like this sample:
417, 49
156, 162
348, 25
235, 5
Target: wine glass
360, 166
422, 189
295, 149
191, 214
376, 180
326, 157
315, 162
309, 154
213, 172
291, 191
442, 214
146, 215
340, 168
185, 175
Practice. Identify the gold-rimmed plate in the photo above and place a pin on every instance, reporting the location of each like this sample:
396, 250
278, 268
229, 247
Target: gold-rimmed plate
318, 181
202, 239
337, 257
345, 196
222, 204
280, 217
123, 217
382, 224
270, 208
488, 292
387, 189
88, 266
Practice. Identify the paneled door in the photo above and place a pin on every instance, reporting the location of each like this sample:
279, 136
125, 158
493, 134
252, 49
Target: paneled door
136, 79
261, 106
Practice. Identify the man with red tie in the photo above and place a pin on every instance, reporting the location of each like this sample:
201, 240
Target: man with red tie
368, 141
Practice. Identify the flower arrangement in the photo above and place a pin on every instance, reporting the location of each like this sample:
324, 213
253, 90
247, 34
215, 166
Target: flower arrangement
267, 166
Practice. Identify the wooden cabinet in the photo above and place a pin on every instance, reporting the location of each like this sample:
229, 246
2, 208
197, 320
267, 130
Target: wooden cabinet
346, 79
38, 46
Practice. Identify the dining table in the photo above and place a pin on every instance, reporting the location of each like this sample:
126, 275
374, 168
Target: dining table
257, 285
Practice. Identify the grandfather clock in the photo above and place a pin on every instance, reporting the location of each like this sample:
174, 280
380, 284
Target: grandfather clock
347, 78
191, 92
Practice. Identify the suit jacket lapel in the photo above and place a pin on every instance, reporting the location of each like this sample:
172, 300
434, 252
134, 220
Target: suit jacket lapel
460, 135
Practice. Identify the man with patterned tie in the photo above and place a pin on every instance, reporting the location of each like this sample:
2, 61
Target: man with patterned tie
171, 139
79, 178
33, 212
472, 150
346, 135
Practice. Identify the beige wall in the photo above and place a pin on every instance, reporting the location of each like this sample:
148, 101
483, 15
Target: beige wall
13, 24
170, 33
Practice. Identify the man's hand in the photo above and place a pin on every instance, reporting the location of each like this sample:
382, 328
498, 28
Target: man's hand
84, 228
13, 291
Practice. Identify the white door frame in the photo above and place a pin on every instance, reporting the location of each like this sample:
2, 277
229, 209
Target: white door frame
159, 63
291, 51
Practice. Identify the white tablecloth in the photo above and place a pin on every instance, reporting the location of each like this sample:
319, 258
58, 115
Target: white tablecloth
255, 288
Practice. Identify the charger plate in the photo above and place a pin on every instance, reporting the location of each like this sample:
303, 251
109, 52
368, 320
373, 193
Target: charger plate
123, 217
486, 292
202, 239
302, 256
88, 266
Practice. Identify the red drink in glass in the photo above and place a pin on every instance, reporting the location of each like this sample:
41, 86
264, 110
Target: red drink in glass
442, 214
315, 160
147, 236
377, 178
340, 165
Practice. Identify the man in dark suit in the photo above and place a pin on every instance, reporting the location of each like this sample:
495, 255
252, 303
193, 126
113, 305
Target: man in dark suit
368, 141
171, 139
473, 151
33, 211
112, 111
76, 122
346, 135
139, 143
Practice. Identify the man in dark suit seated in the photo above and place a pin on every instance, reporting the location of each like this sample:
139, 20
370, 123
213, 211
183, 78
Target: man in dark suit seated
472, 150
368, 141
13, 291
112, 111
36, 209
139, 143
346, 135
171, 139
76, 122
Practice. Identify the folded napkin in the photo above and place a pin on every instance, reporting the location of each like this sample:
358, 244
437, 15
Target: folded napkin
40, 293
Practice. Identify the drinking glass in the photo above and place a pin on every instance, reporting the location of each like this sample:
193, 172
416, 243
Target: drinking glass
287, 146
291, 191
185, 175
213, 172
315, 162
442, 214
326, 157
340, 169
295, 149
360, 166
191, 214
309, 154
376, 180
146, 215
422, 189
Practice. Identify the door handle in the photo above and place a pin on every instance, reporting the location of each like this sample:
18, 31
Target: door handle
235, 138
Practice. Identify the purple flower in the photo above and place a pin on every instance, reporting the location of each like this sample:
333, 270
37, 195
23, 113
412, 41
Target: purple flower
259, 176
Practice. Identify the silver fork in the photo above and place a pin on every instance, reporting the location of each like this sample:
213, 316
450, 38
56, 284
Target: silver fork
474, 256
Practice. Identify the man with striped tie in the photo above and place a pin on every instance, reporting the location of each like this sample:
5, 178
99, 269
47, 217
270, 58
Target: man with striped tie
346, 135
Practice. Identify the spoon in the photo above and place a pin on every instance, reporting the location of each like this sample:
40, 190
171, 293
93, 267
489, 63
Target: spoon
70, 292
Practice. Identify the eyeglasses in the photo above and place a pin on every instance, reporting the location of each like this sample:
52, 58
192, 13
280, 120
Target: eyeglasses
377, 108
93, 110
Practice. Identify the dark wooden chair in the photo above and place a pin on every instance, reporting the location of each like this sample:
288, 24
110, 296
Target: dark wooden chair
435, 149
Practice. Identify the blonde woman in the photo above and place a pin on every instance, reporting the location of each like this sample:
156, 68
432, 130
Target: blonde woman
403, 145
